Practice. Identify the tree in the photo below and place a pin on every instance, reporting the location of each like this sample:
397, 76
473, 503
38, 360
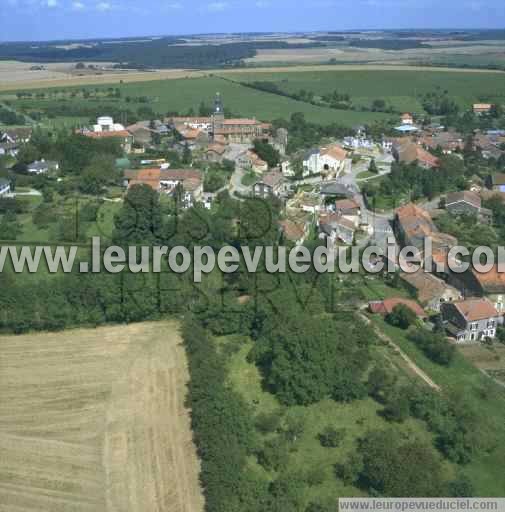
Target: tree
267, 153
10, 228
381, 383
401, 316
396, 467
187, 157
330, 437
434, 345
304, 361
139, 220
461, 487
349, 472
373, 166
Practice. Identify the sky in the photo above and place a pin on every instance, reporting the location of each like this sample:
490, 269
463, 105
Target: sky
36, 20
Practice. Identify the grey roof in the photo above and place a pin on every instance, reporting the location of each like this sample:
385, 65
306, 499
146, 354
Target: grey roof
38, 165
337, 189
4, 182
309, 153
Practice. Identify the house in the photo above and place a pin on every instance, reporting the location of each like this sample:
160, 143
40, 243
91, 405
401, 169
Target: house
309, 203
294, 231
337, 189
449, 141
287, 169
482, 108
107, 124
215, 152
5, 187
42, 167
498, 182
410, 153
430, 291
489, 284
143, 135
9, 148
166, 181
467, 203
350, 209
386, 307
327, 161
471, 320
407, 119
125, 138
271, 184
336, 228
17, 136
249, 160
414, 224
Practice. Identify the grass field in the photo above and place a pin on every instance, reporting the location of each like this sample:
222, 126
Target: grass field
308, 455
94, 421
485, 471
182, 94
401, 89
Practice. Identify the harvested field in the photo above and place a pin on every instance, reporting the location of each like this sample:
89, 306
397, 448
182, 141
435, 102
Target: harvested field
10, 80
94, 420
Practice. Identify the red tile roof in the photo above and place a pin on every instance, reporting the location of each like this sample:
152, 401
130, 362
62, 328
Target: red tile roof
476, 309
386, 306
108, 134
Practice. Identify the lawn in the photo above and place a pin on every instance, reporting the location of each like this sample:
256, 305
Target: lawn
249, 179
401, 89
485, 471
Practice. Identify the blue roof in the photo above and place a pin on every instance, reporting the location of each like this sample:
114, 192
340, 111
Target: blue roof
406, 128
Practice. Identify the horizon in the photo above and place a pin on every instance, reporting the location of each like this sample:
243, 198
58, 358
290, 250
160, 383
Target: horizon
42, 20
252, 33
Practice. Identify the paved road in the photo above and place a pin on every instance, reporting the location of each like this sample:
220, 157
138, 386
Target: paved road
235, 185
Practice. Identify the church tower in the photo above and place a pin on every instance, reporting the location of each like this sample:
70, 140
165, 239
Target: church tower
218, 115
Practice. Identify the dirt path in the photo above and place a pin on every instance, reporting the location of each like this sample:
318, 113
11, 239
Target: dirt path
413, 366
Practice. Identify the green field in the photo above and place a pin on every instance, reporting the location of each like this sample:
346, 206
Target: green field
485, 471
182, 94
401, 89
307, 454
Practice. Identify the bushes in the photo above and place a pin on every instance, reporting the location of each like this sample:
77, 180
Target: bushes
388, 464
331, 437
401, 316
222, 422
435, 346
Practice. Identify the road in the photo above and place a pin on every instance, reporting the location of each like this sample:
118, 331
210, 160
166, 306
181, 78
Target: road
32, 192
381, 223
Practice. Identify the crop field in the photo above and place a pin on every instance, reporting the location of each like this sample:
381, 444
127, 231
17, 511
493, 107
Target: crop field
453, 53
179, 95
94, 420
400, 88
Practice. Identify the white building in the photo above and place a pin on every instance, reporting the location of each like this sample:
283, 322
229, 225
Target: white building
5, 187
329, 160
42, 167
107, 124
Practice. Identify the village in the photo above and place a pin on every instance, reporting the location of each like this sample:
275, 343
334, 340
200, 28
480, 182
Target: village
320, 193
